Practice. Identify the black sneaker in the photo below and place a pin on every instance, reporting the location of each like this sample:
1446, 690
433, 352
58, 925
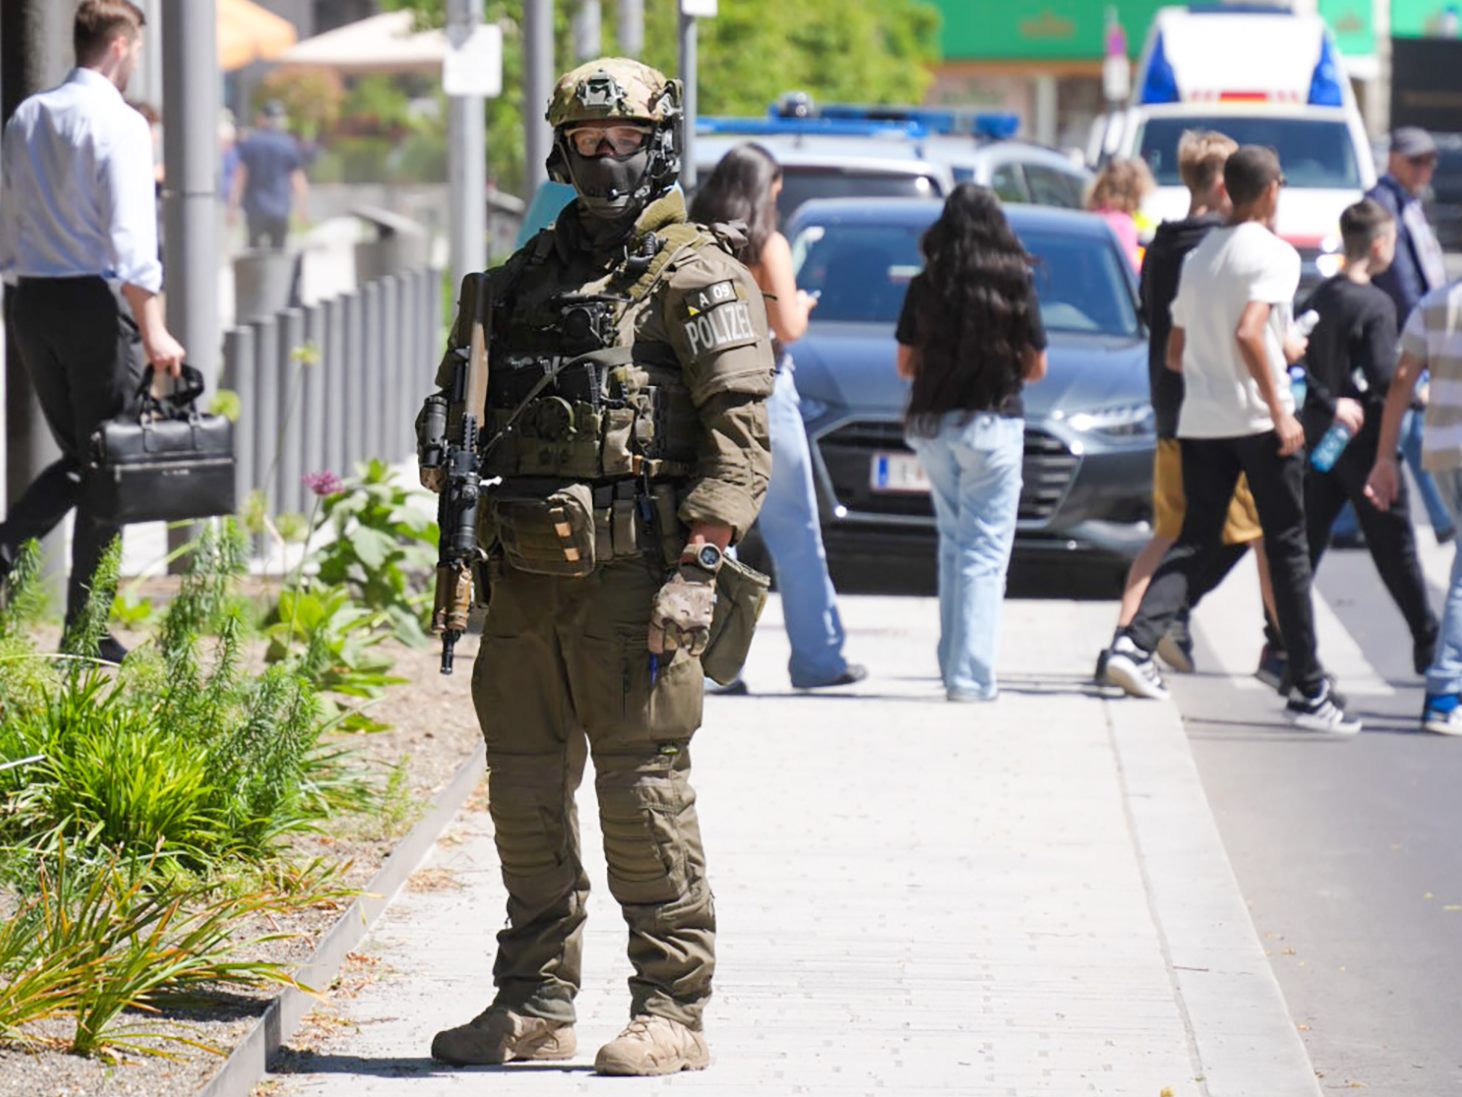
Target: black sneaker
1320, 712
1422, 654
1133, 669
1176, 646
1273, 668
111, 649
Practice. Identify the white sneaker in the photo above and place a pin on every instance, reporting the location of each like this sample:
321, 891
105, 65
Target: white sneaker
1133, 669
1320, 713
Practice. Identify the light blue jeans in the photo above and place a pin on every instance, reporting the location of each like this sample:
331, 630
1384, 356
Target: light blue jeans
974, 471
793, 535
1445, 673
1431, 494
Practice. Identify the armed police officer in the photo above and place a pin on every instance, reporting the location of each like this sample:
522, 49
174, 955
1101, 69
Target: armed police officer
629, 367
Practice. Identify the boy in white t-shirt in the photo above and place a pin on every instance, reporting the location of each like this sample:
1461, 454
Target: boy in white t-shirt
1231, 340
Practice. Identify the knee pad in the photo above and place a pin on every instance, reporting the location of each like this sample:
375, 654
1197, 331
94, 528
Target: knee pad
529, 805
652, 838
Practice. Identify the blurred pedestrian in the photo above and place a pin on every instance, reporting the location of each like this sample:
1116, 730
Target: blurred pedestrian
1201, 156
1232, 339
269, 180
744, 187
1350, 362
1432, 342
78, 227
970, 337
1418, 268
1117, 195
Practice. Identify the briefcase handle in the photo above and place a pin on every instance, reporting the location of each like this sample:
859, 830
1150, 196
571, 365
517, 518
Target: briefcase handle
178, 404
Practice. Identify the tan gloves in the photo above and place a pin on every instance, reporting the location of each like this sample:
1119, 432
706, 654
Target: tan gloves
680, 616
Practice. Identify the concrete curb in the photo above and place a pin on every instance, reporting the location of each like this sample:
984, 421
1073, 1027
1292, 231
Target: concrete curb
248, 1063
1242, 1039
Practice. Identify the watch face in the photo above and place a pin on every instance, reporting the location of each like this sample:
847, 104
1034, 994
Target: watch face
710, 557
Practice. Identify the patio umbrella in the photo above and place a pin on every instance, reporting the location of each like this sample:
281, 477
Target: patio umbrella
249, 33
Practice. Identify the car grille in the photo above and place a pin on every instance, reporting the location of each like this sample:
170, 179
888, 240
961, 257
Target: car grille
1047, 471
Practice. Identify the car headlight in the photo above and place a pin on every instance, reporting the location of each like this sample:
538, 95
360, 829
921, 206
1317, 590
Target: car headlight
1125, 422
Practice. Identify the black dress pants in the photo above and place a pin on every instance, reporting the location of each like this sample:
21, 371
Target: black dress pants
83, 353
1211, 468
1389, 533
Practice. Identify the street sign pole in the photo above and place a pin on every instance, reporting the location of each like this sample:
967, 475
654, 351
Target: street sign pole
631, 27
466, 154
690, 11
537, 87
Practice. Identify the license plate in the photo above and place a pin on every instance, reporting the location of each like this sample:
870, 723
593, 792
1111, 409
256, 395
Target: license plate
897, 472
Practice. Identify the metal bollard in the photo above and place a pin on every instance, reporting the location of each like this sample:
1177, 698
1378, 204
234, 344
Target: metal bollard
405, 399
291, 338
390, 366
312, 402
334, 407
240, 373
266, 413
370, 380
354, 380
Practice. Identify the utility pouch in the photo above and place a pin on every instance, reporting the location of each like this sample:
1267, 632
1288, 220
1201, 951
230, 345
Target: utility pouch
741, 595
672, 531
548, 534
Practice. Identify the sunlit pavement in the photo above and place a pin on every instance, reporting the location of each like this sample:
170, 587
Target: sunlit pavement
1025, 897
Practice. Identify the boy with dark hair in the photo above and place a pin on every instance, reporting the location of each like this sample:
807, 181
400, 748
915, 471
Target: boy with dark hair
1351, 360
1201, 156
1232, 341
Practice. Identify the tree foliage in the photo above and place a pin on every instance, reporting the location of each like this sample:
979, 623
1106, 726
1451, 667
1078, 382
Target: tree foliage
860, 51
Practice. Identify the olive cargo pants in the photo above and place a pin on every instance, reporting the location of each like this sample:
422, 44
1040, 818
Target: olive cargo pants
563, 670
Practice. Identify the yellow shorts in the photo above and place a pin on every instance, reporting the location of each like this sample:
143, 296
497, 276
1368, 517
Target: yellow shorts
1168, 505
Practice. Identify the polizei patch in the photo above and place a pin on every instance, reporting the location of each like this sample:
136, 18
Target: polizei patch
720, 328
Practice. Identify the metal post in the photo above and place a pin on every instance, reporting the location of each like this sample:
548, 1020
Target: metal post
406, 398
537, 87
588, 30
688, 78
385, 438
370, 375
35, 50
265, 413
631, 27
334, 409
466, 156
312, 399
242, 375
290, 495
190, 195
353, 381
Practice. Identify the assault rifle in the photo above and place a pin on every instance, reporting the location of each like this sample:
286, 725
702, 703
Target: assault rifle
451, 436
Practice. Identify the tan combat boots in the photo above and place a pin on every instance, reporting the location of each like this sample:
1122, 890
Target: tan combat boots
653, 1045
498, 1036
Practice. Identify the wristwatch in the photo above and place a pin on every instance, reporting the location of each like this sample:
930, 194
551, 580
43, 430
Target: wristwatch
705, 558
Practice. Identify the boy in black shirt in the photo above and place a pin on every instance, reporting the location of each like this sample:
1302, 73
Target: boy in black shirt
1350, 361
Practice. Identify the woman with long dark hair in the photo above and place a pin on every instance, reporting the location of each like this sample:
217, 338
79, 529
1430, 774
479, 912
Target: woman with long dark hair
744, 187
970, 337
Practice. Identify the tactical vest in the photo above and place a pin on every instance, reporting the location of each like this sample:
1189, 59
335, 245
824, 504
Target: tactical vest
573, 394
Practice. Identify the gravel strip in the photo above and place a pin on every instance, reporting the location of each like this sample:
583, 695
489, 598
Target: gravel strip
433, 730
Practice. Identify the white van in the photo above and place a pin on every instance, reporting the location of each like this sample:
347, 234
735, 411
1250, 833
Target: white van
1264, 76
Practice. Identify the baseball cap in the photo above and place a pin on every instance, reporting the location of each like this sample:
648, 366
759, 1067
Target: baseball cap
1412, 142
274, 109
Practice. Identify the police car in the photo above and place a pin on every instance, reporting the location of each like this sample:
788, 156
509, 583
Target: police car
1263, 75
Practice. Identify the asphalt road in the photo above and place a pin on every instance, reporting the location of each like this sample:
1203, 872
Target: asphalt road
1349, 852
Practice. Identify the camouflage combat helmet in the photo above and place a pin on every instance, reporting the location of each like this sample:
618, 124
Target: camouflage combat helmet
616, 89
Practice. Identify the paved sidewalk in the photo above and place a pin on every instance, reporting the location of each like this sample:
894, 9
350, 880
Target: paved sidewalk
1021, 898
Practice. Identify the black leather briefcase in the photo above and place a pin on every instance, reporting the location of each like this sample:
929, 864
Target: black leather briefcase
166, 463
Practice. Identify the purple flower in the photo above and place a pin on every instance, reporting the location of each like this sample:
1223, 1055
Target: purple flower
323, 483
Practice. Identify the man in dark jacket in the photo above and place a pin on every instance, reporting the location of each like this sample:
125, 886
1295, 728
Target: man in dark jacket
1418, 268
1201, 156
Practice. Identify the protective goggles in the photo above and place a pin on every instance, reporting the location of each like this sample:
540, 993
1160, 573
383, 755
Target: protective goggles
621, 139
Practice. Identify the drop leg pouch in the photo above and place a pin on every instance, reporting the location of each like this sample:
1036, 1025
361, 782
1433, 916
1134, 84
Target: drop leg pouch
741, 595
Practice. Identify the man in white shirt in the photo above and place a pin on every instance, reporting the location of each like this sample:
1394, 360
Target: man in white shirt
1232, 342
78, 253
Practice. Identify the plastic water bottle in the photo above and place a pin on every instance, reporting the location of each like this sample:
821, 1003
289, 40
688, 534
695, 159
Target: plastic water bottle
1331, 447
1298, 385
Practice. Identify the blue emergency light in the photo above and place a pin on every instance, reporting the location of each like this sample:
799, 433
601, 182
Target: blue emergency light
1160, 85
1325, 85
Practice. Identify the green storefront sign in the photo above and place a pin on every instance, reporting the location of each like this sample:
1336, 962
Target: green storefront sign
1425, 18
1075, 30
